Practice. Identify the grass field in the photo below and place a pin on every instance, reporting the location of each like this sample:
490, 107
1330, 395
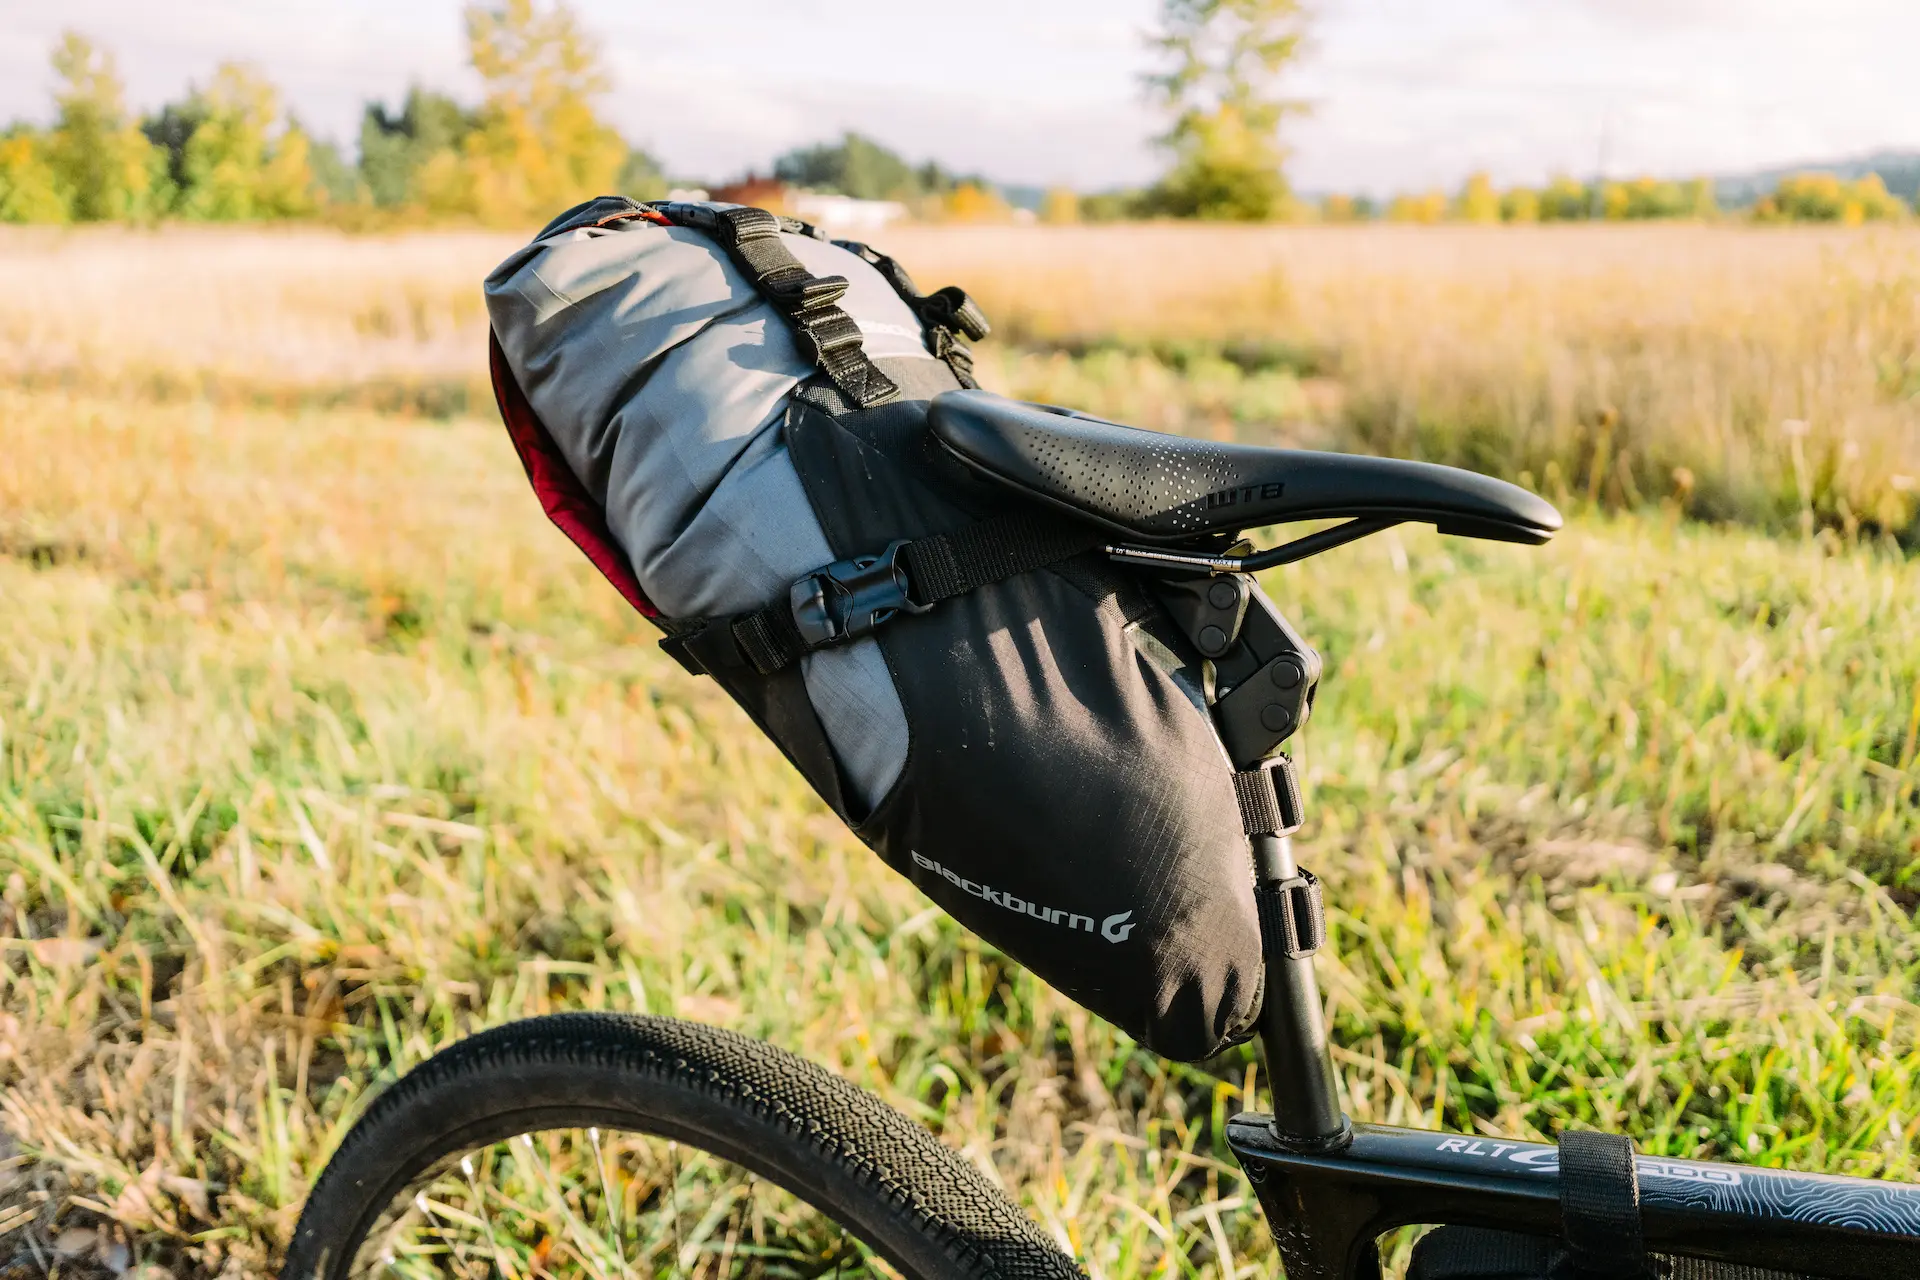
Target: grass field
318, 748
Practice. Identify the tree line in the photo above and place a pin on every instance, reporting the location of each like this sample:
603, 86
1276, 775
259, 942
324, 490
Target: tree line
1809, 197
228, 150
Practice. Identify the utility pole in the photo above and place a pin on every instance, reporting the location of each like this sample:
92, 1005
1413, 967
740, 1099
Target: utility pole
1596, 201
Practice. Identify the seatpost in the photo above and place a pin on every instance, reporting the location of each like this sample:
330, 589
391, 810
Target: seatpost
1262, 681
1293, 1025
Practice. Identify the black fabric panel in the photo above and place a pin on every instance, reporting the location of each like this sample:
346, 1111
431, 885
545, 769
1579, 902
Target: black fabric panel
918, 379
1474, 1253
1677, 1268
778, 703
1062, 796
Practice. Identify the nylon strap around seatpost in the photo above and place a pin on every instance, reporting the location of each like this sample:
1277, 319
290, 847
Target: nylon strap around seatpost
1269, 796
1600, 1206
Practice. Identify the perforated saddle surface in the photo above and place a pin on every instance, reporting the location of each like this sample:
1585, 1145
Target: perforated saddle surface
1168, 489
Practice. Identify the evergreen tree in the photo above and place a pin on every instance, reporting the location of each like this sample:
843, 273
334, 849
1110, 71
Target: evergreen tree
335, 181
169, 132
859, 167
641, 177
396, 146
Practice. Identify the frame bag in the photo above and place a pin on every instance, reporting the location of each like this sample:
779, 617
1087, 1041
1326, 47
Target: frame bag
728, 413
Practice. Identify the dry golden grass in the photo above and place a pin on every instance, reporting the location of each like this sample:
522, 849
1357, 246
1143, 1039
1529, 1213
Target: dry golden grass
318, 748
1768, 375
1755, 374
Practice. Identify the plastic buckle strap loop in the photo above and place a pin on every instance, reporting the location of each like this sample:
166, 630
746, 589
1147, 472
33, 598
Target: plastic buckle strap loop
848, 599
851, 598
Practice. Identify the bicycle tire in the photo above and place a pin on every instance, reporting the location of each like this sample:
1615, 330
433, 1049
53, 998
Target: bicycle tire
870, 1169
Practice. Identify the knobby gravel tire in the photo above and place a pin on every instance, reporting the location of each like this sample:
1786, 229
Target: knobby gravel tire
889, 1182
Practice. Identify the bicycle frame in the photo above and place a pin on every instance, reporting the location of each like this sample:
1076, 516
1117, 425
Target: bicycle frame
1328, 1207
1331, 1189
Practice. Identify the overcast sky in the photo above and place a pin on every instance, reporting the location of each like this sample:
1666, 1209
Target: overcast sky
1406, 93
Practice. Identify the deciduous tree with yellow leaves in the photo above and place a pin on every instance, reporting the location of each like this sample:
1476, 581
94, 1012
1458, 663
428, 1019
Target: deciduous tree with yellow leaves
538, 145
1225, 59
101, 164
242, 161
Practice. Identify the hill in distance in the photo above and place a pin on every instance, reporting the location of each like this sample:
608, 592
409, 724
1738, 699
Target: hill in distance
1900, 170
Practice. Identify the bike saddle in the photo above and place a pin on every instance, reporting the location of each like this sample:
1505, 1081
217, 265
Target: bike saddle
1167, 489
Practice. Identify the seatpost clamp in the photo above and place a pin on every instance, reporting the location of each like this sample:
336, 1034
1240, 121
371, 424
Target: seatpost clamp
851, 598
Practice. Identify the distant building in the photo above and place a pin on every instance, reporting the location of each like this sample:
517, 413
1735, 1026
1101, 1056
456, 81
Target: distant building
824, 208
844, 213
761, 193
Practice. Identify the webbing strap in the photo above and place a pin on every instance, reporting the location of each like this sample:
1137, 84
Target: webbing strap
768, 639
827, 335
1270, 802
937, 568
950, 564
1293, 916
945, 315
1600, 1205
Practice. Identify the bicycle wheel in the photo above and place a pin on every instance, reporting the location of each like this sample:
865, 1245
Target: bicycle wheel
601, 1145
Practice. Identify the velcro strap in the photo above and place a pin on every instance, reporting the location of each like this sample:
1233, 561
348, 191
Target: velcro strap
1270, 801
1600, 1205
768, 259
803, 291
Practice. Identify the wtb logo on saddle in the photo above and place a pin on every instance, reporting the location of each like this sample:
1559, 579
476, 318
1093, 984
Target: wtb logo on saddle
1244, 493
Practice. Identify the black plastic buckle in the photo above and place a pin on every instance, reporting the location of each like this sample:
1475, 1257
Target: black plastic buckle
850, 598
952, 308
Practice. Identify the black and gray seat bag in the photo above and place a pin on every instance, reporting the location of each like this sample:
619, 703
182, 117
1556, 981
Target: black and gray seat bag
728, 412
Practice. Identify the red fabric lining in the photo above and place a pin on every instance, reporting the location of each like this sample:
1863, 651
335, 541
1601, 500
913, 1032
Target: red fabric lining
651, 215
561, 494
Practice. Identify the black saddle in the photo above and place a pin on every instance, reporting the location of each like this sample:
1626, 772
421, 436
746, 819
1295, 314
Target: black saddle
1169, 490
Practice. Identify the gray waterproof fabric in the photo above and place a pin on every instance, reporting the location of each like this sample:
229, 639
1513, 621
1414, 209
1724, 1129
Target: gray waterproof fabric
663, 377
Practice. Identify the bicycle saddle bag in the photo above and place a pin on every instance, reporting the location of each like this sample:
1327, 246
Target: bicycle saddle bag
728, 413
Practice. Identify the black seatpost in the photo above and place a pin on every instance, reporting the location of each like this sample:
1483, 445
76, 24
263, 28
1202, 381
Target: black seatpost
1293, 1025
1262, 677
